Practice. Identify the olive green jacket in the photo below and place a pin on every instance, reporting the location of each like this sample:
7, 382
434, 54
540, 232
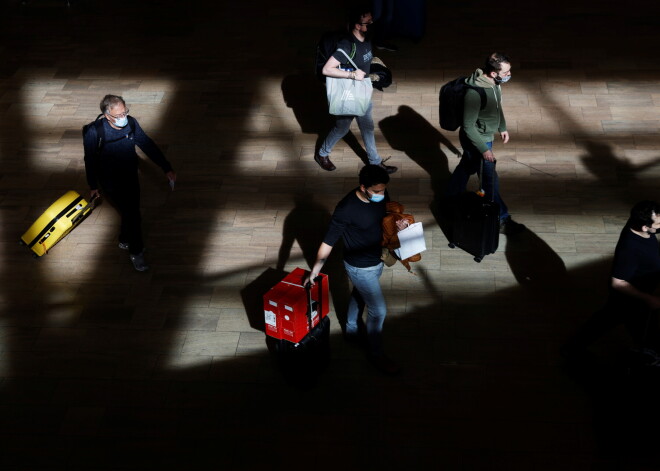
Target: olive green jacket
481, 125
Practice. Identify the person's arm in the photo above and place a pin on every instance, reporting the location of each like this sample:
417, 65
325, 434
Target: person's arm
337, 226
331, 69
626, 288
151, 150
321, 257
502, 127
471, 108
90, 147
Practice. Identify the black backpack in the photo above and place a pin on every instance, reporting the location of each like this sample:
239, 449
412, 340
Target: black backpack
451, 103
100, 131
326, 47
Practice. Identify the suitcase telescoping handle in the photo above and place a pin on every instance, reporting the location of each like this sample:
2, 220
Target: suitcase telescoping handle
83, 213
492, 183
308, 288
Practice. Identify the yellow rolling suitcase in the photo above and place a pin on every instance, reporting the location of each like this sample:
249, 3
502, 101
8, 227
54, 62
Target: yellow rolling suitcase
56, 222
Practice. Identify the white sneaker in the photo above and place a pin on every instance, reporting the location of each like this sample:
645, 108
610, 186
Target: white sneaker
123, 245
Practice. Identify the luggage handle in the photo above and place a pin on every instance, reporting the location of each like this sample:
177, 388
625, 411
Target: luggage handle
481, 172
308, 288
83, 210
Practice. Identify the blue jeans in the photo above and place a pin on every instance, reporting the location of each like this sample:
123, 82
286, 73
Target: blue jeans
471, 163
366, 291
343, 125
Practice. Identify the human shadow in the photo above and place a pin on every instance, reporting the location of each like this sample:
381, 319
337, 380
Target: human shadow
410, 132
307, 224
535, 265
306, 96
608, 167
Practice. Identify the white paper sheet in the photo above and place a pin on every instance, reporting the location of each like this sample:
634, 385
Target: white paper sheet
412, 241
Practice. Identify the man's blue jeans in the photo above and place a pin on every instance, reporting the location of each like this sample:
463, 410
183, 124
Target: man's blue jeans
367, 291
471, 163
343, 125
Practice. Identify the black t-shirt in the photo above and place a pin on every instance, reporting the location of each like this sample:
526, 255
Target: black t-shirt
637, 261
362, 57
361, 226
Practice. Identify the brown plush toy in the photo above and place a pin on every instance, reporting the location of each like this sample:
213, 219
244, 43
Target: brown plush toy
393, 222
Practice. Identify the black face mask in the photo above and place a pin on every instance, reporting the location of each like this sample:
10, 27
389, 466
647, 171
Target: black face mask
369, 30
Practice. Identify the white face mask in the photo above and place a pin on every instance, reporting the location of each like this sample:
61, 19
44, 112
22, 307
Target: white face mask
121, 122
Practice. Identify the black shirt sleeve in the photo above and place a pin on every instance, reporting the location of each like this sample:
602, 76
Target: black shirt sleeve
151, 150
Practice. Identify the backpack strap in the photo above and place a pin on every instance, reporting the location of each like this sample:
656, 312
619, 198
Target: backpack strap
100, 131
481, 92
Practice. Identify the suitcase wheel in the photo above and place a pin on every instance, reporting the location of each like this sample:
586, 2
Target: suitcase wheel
477, 259
20, 242
451, 245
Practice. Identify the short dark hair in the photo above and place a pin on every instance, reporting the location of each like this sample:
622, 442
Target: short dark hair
642, 214
110, 101
355, 14
371, 175
494, 62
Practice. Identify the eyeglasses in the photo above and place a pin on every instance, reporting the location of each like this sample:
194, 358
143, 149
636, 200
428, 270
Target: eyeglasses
367, 24
119, 116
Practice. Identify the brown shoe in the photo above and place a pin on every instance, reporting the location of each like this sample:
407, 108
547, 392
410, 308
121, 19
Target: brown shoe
324, 162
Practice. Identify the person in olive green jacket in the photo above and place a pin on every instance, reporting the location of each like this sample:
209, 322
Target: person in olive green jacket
478, 131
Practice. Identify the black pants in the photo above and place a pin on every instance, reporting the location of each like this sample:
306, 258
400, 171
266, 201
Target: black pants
125, 197
641, 323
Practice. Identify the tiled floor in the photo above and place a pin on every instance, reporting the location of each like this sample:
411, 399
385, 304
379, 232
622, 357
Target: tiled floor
105, 368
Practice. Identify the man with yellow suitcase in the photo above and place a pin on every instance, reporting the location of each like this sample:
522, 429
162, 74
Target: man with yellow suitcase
111, 165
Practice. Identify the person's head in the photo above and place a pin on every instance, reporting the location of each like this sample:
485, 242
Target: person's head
645, 217
373, 182
498, 67
115, 111
360, 19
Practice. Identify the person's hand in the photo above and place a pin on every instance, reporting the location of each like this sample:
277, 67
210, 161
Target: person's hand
171, 176
359, 74
310, 278
489, 156
505, 136
401, 224
94, 194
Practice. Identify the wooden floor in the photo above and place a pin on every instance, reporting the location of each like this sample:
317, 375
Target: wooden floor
104, 368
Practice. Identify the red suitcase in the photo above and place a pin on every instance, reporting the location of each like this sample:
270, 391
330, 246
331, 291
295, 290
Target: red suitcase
286, 307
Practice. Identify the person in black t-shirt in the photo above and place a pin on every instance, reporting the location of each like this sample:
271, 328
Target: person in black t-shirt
635, 277
338, 66
358, 220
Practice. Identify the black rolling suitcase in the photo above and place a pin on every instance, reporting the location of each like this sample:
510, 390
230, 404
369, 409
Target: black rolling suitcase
474, 224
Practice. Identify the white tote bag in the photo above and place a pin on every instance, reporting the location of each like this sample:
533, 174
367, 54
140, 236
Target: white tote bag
412, 241
348, 97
